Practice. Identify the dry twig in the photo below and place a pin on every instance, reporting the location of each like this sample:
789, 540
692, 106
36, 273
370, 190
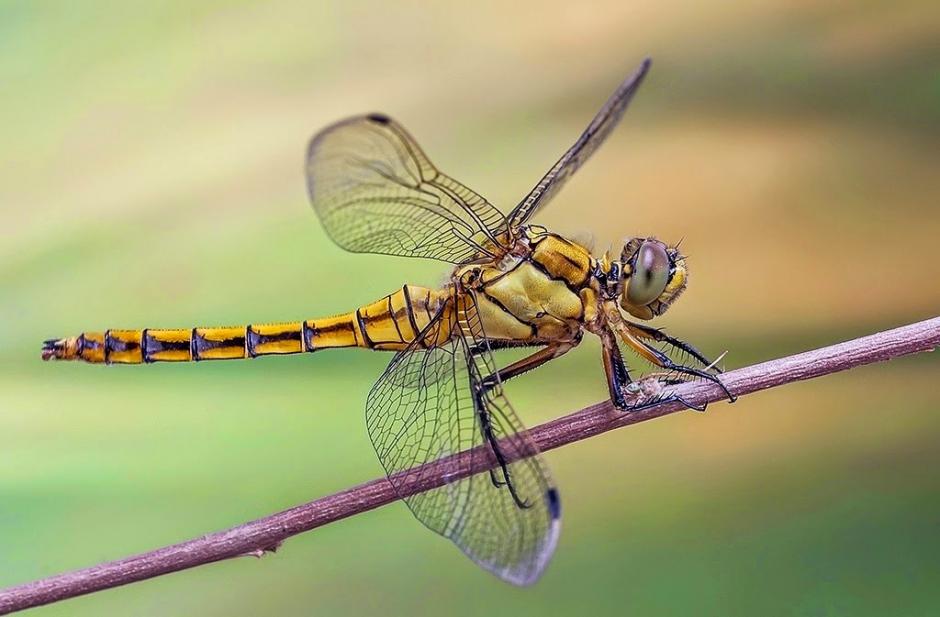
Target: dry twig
266, 534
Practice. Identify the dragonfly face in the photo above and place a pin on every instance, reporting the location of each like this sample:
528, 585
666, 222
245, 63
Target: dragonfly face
438, 417
652, 276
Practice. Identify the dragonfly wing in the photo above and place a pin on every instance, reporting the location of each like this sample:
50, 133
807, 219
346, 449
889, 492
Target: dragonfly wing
376, 192
422, 409
601, 126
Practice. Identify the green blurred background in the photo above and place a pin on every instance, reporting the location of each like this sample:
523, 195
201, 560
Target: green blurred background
151, 175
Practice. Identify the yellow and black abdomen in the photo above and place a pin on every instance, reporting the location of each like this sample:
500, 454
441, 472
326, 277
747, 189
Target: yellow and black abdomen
387, 324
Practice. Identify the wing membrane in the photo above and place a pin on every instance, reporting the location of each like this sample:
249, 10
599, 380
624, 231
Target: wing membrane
422, 409
603, 123
376, 192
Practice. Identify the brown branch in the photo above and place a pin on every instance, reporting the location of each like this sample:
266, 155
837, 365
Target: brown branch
266, 534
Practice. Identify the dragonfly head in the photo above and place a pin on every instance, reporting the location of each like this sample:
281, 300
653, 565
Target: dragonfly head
652, 276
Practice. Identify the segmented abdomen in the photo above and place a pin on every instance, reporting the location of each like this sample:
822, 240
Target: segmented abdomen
387, 324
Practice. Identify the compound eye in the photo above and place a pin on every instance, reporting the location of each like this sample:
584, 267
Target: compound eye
650, 274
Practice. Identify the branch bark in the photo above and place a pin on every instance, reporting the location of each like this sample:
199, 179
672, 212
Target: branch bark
266, 534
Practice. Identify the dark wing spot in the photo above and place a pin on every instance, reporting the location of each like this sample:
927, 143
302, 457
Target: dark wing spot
554, 503
380, 118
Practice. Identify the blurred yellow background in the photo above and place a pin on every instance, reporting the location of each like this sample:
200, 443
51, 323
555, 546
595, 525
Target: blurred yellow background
151, 174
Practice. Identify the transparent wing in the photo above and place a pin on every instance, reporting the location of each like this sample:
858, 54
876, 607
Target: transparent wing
423, 409
603, 123
376, 192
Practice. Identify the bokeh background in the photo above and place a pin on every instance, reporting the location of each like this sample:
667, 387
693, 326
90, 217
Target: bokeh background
151, 175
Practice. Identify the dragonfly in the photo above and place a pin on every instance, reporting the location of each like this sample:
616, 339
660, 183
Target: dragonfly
513, 285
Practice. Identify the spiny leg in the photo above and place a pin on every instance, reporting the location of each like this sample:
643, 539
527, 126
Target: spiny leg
659, 396
486, 427
618, 376
540, 357
644, 331
533, 361
661, 360
497, 344
618, 380
668, 398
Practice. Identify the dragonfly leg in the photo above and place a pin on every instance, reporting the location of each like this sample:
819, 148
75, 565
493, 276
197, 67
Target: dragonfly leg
618, 376
647, 332
486, 426
497, 344
668, 399
656, 395
540, 357
661, 360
